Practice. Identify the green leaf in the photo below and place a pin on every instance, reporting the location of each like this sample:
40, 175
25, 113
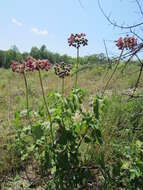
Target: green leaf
37, 131
96, 107
83, 128
87, 139
53, 170
125, 165
17, 120
98, 135
24, 157
76, 102
101, 160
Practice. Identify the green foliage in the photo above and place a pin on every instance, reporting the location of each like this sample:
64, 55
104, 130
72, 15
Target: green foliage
73, 126
132, 165
97, 141
122, 164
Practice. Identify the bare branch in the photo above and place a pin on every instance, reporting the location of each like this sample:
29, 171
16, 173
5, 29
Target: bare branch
114, 23
81, 4
136, 34
140, 8
138, 79
118, 62
108, 59
132, 54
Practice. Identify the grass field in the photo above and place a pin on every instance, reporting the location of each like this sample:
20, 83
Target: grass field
93, 79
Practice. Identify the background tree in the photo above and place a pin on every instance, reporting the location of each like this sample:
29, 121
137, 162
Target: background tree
35, 53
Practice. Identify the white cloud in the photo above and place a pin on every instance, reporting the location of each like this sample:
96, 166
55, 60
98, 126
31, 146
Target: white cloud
16, 22
39, 32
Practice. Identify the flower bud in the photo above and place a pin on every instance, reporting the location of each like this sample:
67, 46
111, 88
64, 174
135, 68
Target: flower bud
62, 69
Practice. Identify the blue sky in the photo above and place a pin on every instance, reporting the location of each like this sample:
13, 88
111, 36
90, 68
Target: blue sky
27, 23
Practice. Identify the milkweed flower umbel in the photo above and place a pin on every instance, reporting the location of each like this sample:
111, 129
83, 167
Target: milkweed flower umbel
18, 67
76, 40
44, 64
62, 69
30, 64
127, 42
33, 64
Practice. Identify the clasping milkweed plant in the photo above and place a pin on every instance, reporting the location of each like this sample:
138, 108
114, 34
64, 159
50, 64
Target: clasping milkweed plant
31, 65
77, 40
70, 126
20, 68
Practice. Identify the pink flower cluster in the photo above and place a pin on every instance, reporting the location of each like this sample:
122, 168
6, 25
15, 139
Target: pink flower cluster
18, 67
76, 40
30, 64
126, 42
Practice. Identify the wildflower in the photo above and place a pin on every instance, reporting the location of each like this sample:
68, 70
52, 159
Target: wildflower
62, 69
126, 42
18, 67
44, 64
76, 40
33, 64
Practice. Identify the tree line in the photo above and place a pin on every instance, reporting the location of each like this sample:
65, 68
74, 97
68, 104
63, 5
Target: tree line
6, 57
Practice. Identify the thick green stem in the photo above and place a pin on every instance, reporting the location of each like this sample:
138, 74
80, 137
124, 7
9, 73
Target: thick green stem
46, 106
27, 99
77, 65
63, 83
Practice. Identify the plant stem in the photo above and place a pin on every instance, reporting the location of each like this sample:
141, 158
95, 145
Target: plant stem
63, 100
47, 109
77, 65
81, 140
63, 83
117, 64
27, 99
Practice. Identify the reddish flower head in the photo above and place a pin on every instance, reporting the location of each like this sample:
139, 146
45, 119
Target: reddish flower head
33, 64
44, 64
76, 40
18, 67
126, 42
